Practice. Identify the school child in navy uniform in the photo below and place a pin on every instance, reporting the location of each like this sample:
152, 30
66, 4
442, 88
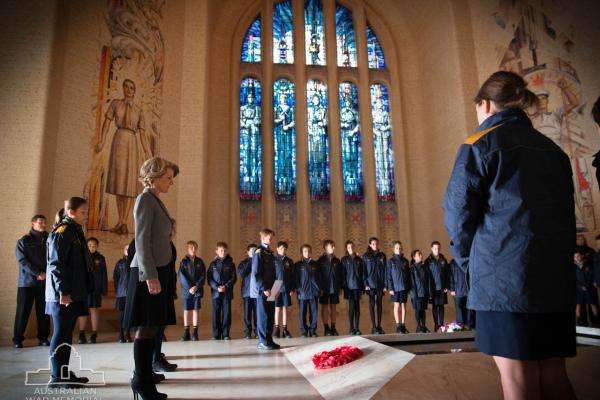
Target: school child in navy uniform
262, 279
69, 279
330, 269
398, 285
284, 267
353, 284
95, 298
244, 270
438, 267
192, 275
221, 278
375, 264
120, 280
420, 289
459, 289
585, 290
308, 287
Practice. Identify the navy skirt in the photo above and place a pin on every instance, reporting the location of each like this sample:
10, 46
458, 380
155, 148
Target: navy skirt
192, 303
283, 299
524, 336
399, 296
94, 300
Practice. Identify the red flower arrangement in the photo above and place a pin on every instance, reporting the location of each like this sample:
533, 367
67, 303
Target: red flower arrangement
337, 357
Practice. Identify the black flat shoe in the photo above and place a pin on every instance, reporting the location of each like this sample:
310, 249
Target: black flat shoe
286, 334
334, 332
122, 339
18, 345
226, 337
43, 343
93, 338
358, 333
265, 347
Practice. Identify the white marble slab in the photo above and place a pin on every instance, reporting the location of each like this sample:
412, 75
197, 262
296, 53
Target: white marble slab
360, 379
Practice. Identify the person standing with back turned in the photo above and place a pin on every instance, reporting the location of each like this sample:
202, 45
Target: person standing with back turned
510, 215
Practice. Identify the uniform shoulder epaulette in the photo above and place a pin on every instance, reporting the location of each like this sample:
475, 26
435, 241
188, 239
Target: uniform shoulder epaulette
478, 135
257, 251
61, 228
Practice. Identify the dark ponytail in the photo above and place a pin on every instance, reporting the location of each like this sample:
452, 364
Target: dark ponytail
72, 204
507, 90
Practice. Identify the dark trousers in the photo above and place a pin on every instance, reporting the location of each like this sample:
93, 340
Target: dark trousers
60, 344
438, 315
375, 306
249, 315
158, 341
354, 310
265, 318
26, 297
221, 316
420, 317
463, 315
310, 307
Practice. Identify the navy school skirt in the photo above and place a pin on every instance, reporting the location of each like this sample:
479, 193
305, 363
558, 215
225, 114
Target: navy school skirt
526, 336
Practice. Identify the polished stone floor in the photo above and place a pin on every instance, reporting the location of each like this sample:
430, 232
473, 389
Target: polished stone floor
410, 369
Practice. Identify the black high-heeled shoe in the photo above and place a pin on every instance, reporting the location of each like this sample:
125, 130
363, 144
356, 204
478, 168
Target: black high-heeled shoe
146, 390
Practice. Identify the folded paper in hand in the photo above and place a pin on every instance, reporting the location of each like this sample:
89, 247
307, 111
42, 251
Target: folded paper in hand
275, 290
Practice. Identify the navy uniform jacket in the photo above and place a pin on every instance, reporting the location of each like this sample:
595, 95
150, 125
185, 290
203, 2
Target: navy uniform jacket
375, 264
439, 271
398, 273
31, 257
352, 272
596, 267
420, 280
69, 269
458, 280
330, 269
221, 272
121, 277
583, 278
191, 274
510, 214
244, 270
100, 274
263, 272
308, 285
284, 270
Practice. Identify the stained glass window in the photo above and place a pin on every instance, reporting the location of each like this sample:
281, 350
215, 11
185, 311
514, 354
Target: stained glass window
318, 140
250, 139
251, 44
283, 33
351, 142
344, 33
382, 140
314, 33
284, 139
374, 50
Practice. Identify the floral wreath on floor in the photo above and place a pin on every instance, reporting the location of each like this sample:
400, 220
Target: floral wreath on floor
337, 357
453, 327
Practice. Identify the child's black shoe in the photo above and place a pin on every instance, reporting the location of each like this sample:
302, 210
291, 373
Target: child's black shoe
186, 335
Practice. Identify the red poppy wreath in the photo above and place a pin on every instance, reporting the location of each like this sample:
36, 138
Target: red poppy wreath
337, 357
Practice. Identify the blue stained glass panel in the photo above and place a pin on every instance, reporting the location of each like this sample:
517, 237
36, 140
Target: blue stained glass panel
251, 51
314, 33
283, 33
250, 139
284, 139
382, 141
374, 50
351, 142
345, 38
318, 140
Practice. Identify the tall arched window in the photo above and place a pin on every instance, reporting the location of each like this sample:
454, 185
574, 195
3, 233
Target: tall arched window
328, 134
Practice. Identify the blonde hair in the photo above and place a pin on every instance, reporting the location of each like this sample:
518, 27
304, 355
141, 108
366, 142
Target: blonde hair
154, 168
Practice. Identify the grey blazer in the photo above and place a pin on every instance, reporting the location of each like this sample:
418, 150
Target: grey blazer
152, 235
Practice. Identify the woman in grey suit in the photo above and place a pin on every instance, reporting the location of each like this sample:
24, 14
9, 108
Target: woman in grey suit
148, 304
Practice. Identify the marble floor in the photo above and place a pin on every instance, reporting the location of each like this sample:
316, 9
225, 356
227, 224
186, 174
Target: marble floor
407, 367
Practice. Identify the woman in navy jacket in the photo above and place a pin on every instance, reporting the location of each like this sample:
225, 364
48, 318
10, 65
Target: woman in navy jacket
353, 284
68, 281
438, 267
510, 215
398, 284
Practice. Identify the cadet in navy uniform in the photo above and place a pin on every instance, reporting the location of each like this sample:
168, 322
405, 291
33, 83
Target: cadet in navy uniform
510, 215
244, 271
438, 267
459, 288
94, 298
375, 265
330, 269
31, 257
353, 284
192, 275
262, 279
284, 267
586, 292
398, 284
69, 279
221, 278
308, 288
121, 279
420, 289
